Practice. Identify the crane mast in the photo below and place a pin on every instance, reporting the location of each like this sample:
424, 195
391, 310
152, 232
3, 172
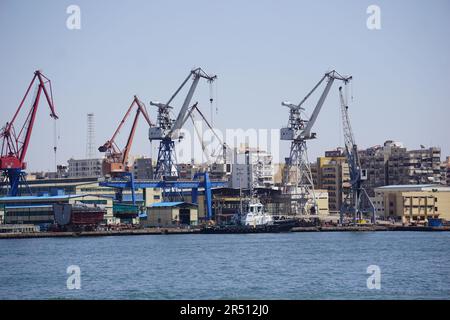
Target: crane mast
299, 131
353, 203
15, 143
168, 129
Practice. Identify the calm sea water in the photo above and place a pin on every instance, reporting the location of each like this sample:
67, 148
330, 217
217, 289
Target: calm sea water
414, 265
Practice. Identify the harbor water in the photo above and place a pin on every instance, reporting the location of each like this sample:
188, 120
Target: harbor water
318, 265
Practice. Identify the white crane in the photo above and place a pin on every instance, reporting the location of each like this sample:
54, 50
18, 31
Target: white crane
298, 132
168, 130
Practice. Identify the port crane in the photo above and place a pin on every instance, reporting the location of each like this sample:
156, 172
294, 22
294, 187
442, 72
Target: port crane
299, 131
353, 202
15, 141
168, 129
116, 159
115, 163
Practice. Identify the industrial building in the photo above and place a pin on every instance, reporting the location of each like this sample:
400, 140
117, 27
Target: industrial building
39, 209
413, 203
171, 214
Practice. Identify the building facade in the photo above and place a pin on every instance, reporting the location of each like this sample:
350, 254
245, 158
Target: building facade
332, 173
393, 164
84, 168
414, 203
143, 168
252, 168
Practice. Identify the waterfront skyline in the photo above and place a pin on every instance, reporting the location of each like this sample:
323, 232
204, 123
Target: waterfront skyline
263, 52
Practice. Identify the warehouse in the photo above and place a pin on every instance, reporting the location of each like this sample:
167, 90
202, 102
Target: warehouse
38, 210
165, 214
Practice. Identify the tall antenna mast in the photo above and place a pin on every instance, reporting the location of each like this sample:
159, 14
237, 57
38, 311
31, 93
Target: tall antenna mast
90, 137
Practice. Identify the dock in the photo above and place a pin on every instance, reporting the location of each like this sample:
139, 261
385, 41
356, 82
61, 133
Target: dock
175, 231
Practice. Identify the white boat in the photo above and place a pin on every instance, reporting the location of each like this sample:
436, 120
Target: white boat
256, 215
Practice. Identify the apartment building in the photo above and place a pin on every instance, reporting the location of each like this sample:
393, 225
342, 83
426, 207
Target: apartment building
84, 168
331, 173
393, 164
143, 168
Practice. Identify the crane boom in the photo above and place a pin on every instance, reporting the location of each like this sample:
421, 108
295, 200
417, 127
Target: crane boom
197, 75
330, 76
116, 159
349, 141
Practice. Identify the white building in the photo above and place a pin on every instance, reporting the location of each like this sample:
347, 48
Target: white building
252, 166
85, 168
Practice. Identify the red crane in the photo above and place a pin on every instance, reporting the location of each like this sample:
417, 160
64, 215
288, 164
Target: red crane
116, 161
15, 142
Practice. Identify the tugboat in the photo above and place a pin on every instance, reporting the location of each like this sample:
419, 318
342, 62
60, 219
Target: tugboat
253, 220
255, 216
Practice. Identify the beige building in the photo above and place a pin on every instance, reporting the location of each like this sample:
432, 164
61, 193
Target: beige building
332, 174
171, 214
414, 203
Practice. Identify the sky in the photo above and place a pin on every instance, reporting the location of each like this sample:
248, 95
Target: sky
263, 52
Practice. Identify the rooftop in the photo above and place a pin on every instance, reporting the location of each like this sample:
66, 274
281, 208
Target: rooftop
415, 187
170, 204
46, 198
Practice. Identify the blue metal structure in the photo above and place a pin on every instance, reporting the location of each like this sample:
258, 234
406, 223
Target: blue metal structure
195, 184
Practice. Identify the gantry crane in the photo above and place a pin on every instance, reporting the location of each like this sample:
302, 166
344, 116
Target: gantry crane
168, 130
15, 143
353, 203
298, 132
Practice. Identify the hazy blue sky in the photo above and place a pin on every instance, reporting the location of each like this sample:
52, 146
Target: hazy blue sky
262, 51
